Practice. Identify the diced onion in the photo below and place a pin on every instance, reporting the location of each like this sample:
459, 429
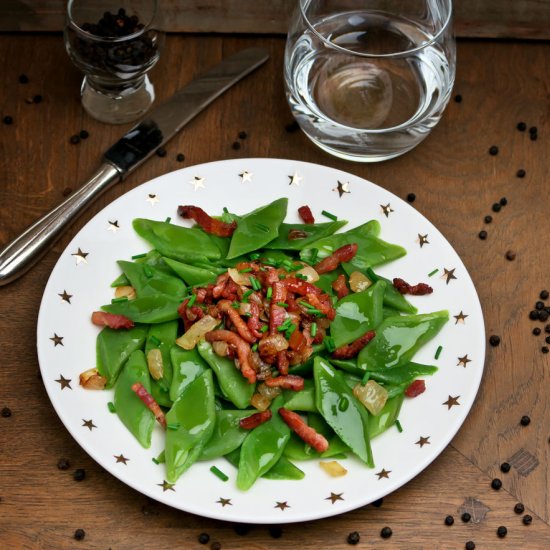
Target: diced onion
269, 393
333, 468
258, 401
125, 292
154, 362
92, 380
372, 395
310, 273
197, 331
220, 348
359, 282
242, 279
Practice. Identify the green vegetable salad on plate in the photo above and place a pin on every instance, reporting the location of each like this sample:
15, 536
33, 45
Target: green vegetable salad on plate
260, 341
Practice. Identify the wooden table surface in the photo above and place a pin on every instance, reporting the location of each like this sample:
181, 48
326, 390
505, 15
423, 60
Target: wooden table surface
455, 181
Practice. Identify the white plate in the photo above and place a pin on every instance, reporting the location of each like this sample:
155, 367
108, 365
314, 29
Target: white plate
79, 284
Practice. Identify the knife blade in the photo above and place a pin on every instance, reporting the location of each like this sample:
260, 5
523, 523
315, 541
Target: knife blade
122, 158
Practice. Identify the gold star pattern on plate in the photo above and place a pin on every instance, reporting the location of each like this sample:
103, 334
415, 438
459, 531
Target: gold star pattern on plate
281, 505
423, 441
152, 198
224, 502
113, 226
197, 182
460, 318
387, 209
295, 179
342, 188
245, 176
463, 361
80, 257
449, 274
57, 340
121, 458
66, 297
383, 473
451, 402
64, 382
423, 239
88, 424
334, 497
166, 486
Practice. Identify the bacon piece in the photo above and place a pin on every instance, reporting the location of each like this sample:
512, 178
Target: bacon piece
150, 403
254, 420
282, 363
241, 347
225, 307
299, 286
421, 289
297, 341
351, 350
416, 388
302, 430
323, 304
277, 314
306, 215
209, 224
253, 323
340, 287
288, 382
201, 295
343, 254
220, 285
104, 319
270, 345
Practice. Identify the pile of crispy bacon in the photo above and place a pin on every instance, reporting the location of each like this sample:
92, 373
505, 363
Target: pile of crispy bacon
267, 314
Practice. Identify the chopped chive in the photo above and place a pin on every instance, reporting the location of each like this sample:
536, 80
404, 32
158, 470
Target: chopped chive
329, 344
296, 267
245, 270
433, 272
217, 472
235, 305
138, 256
282, 304
329, 215
269, 293
254, 347
301, 276
147, 270
281, 276
173, 426
270, 261
155, 340
254, 256
168, 219
284, 326
255, 283
290, 330
438, 352
264, 328
287, 264
314, 254
398, 426
111, 407
121, 299
313, 329
365, 378
191, 300
262, 227
247, 294
248, 314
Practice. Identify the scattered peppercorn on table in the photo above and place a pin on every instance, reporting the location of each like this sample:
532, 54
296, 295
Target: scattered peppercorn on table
481, 177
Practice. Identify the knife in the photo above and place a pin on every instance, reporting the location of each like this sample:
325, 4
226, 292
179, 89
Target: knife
134, 148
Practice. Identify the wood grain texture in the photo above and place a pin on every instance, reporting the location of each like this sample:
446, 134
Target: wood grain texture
528, 19
455, 180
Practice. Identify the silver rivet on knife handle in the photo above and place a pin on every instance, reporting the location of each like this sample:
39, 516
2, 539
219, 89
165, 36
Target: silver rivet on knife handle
138, 144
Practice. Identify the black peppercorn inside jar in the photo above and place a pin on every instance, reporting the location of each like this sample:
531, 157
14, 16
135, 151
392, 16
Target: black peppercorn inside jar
114, 43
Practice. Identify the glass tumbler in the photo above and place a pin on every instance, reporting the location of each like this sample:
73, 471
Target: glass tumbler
114, 43
368, 80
